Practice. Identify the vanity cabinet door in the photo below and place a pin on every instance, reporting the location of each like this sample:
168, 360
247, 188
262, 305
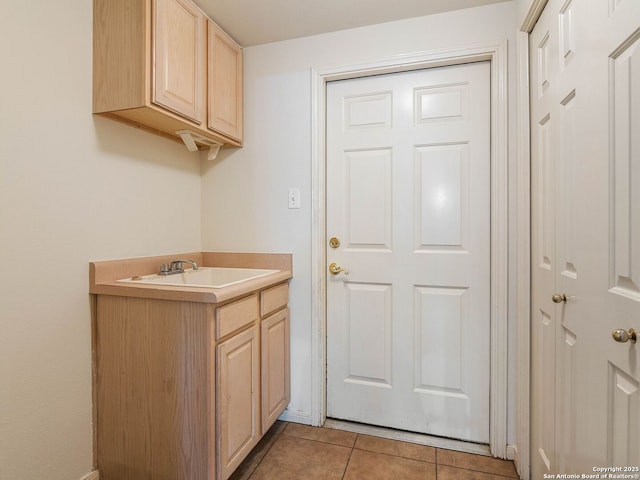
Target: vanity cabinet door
237, 400
276, 390
179, 57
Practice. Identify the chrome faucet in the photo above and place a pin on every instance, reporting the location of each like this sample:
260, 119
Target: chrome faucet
176, 267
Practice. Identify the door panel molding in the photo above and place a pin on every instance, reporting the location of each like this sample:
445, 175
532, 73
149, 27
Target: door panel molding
496, 53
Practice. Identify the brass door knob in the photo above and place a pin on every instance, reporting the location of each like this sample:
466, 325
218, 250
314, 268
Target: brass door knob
335, 269
623, 336
559, 298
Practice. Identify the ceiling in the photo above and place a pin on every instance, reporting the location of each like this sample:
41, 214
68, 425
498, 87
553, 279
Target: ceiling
254, 22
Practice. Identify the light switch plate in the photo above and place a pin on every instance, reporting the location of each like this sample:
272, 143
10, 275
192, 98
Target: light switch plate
294, 198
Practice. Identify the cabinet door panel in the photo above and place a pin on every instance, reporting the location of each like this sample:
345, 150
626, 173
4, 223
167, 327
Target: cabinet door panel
275, 367
237, 400
179, 57
225, 83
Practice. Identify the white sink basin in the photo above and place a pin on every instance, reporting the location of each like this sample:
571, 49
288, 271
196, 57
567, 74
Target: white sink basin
205, 277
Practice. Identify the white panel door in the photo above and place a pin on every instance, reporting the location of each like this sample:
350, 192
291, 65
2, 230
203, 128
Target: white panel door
585, 108
408, 198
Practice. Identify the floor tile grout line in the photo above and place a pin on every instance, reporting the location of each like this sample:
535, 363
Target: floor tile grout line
473, 469
477, 471
275, 439
319, 441
394, 455
353, 447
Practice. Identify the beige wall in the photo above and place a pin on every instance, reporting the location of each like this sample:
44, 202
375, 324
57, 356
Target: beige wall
73, 188
277, 155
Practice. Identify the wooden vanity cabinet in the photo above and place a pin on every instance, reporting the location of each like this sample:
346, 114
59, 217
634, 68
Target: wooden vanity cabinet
185, 390
154, 389
165, 67
275, 367
237, 383
251, 393
237, 388
276, 386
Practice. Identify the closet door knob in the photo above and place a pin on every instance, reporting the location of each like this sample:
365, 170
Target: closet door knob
558, 298
623, 336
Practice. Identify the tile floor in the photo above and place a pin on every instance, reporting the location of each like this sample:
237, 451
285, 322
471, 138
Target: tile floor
290, 451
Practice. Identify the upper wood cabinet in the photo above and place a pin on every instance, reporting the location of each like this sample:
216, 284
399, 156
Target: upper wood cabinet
179, 50
164, 66
225, 83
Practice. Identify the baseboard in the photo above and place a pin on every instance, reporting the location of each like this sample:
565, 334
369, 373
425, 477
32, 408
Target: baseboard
523, 473
296, 417
512, 452
95, 475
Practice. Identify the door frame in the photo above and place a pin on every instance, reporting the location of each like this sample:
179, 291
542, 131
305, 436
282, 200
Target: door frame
496, 54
